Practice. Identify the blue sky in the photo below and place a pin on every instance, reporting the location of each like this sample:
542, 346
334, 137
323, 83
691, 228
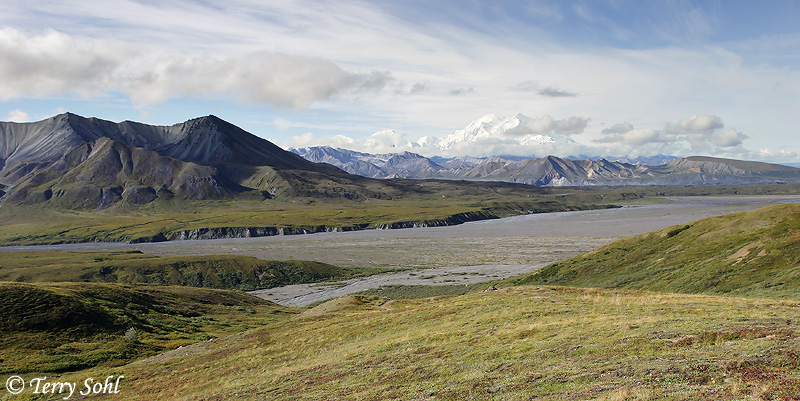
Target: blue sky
719, 78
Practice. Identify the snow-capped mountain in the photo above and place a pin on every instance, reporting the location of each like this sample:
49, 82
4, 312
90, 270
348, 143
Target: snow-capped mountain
487, 127
386, 165
498, 135
657, 160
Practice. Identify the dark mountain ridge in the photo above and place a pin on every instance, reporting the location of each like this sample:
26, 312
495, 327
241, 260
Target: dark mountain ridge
78, 162
206, 140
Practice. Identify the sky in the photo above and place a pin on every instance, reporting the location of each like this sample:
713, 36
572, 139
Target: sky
604, 77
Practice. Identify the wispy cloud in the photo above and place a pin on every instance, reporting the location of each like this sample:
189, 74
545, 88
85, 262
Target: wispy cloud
547, 91
462, 91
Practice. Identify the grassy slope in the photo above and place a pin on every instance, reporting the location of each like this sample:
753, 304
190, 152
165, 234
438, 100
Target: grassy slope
127, 267
753, 253
511, 344
71, 326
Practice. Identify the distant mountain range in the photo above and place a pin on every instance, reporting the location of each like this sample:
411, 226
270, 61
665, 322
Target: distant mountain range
555, 171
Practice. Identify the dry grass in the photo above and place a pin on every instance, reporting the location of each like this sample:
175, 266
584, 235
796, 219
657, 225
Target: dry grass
512, 344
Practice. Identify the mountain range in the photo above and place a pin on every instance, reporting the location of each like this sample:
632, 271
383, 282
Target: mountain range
73, 162
556, 171
78, 162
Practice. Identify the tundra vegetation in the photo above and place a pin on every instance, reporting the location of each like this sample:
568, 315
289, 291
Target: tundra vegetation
236, 272
67, 327
733, 336
514, 343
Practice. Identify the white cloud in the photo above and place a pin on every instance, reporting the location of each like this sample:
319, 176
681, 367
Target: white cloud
727, 138
699, 124
619, 128
699, 134
633, 137
18, 116
53, 63
303, 140
548, 125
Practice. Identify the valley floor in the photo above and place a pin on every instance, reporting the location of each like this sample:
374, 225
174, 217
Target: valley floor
456, 255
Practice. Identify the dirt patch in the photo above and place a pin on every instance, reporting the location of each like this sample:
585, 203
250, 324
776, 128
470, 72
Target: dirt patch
745, 251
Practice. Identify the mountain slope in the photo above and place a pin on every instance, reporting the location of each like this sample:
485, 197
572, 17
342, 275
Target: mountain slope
205, 140
702, 170
211, 140
750, 253
102, 173
390, 165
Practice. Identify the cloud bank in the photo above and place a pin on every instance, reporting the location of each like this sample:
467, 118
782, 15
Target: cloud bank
698, 134
53, 63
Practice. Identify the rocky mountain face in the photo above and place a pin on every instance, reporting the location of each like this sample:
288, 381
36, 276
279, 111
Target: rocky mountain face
555, 171
78, 162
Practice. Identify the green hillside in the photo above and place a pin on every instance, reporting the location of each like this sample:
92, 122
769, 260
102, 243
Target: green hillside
133, 267
518, 343
753, 253
72, 326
